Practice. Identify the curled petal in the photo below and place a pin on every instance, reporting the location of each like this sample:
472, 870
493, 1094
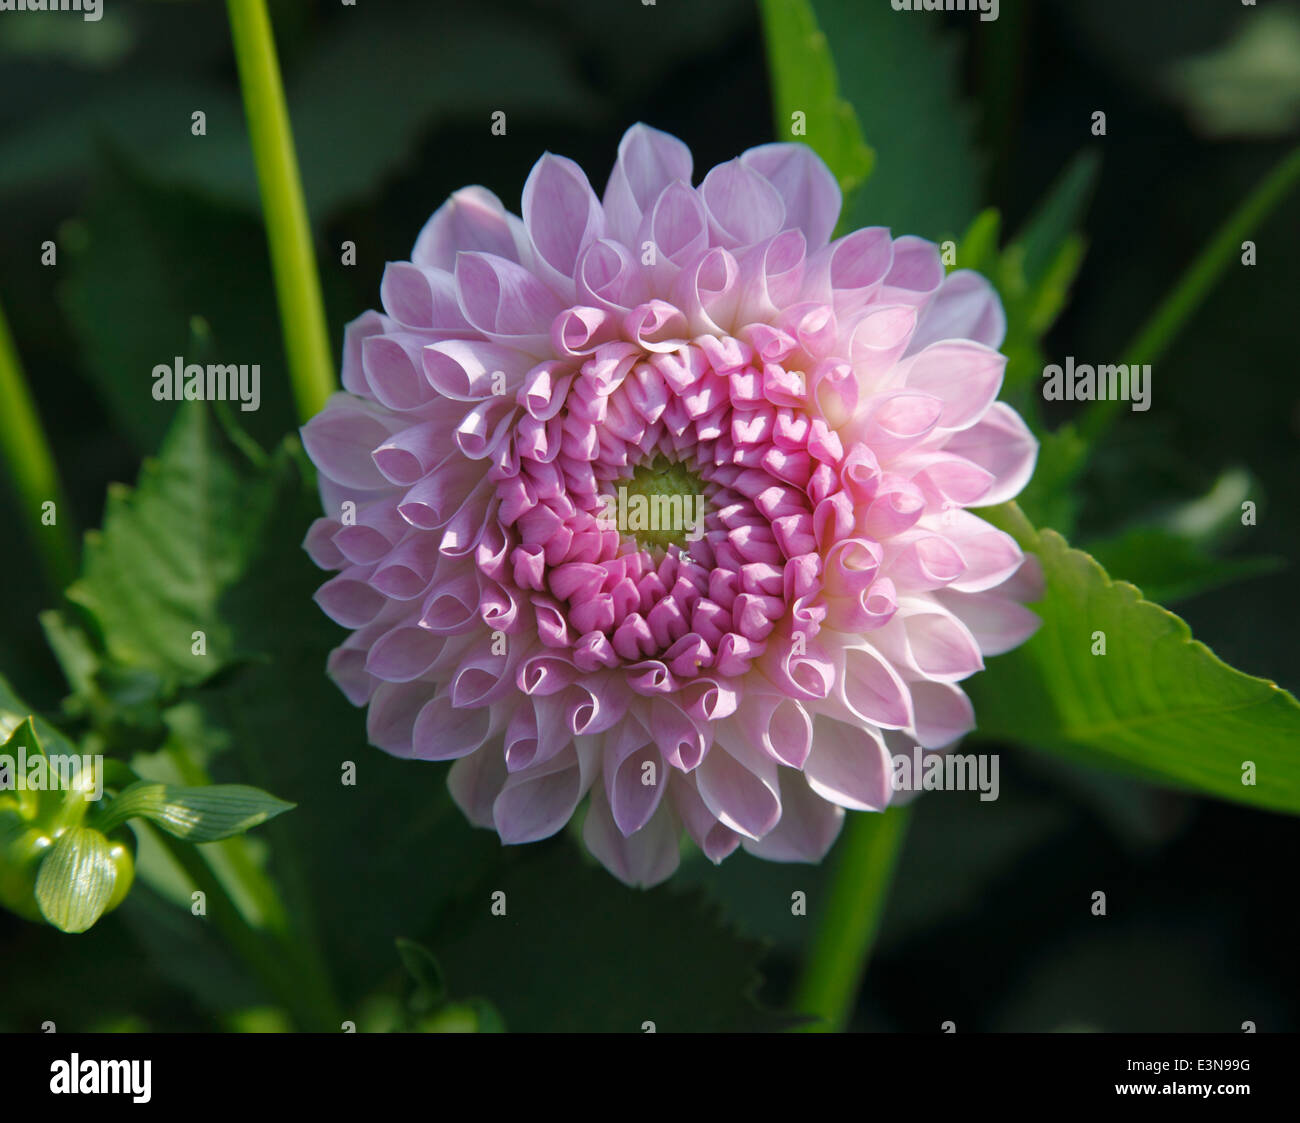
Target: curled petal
743, 206
472, 220
475, 781
943, 713
849, 766
966, 376
915, 273
392, 713
636, 777
808, 828
870, 689
422, 298
561, 214
648, 161
442, 732
965, 307
738, 784
713, 837
403, 654
537, 802
505, 302
807, 187
641, 860
342, 436
1000, 443
781, 725
929, 642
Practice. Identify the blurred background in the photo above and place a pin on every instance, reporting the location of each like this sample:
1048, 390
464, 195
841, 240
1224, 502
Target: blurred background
990, 923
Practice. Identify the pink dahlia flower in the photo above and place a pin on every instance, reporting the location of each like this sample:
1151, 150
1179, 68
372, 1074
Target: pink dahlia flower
537, 390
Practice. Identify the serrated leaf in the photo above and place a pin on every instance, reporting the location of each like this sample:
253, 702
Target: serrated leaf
170, 549
621, 953
195, 814
1157, 702
76, 880
804, 82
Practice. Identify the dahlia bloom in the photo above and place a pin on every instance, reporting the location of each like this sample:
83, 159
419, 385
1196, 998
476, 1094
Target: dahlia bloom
829, 410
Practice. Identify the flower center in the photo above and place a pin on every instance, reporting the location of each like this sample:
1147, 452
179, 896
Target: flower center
662, 505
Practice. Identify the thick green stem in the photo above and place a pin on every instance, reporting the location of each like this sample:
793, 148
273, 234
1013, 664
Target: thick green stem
859, 888
1195, 284
27, 456
293, 260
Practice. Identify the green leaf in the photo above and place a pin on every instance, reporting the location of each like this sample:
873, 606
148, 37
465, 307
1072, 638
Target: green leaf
431, 990
202, 814
170, 548
903, 78
76, 879
1157, 703
806, 89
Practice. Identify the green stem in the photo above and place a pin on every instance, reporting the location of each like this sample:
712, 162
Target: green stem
293, 260
26, 454
1195, 284
859, 887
